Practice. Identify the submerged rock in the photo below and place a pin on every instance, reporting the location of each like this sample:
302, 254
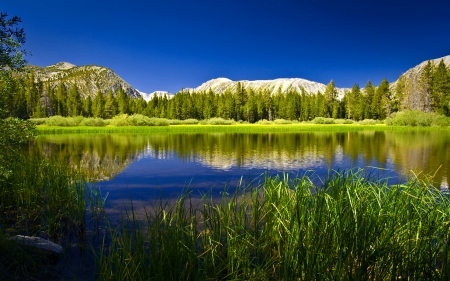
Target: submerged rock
51, 252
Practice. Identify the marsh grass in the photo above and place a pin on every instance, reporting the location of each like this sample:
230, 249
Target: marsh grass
45, 198
237, 128
349, 228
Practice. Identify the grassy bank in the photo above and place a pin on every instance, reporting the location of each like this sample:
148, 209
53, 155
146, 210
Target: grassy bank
238, 128
351, 228
245, 128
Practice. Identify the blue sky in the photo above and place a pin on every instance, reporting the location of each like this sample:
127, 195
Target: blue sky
169, 45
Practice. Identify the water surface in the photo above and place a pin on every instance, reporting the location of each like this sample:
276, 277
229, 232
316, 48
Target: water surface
145, 166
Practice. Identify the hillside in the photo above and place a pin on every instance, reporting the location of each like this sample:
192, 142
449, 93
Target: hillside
89, 79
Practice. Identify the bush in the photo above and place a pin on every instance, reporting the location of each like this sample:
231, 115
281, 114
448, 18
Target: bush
93, 122
368, 122
323, 120
417, 118
282, 122
217, 121
264, 122
56, 121
38, 121
343, 121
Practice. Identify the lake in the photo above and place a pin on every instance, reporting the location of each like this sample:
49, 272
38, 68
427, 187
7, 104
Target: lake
145, 167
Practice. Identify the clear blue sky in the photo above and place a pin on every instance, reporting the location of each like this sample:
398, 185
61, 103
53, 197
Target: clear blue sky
174, 44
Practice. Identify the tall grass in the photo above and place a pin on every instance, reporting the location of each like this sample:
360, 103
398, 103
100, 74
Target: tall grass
349, 228
42, 197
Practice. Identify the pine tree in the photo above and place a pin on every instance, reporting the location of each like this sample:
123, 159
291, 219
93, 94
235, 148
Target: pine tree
98, 105
400, 93
87, 107
61, 98
331, 100
74, 104
122, 101
441, 88
110, 106
379, 101
425, 86
32, 94
369, 91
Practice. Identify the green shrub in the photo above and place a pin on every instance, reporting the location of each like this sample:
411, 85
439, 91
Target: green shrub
56, 121
343, 121
323, 120
93, 122
368, 122
38, 121
158, 122
417, 118
217, 121
282, 122
264, 122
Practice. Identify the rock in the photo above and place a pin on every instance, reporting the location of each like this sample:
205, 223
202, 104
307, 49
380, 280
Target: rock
52, 252
39, 243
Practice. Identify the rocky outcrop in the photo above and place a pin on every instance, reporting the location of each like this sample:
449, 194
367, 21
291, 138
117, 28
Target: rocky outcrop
89, 79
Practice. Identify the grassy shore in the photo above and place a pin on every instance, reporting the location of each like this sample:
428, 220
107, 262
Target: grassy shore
238, 128
351, 228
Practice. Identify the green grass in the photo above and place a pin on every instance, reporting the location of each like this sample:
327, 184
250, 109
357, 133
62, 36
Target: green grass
238, 128
351, 228
42, 197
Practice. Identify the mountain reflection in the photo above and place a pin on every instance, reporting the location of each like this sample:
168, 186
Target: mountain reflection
102, 157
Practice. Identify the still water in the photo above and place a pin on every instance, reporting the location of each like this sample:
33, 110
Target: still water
145, 167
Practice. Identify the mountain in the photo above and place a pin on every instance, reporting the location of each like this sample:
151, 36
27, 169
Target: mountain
150, 96
220, 85
415, 72
415, 94
89, 79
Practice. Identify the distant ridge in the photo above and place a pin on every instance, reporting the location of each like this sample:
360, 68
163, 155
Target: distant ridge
220, 85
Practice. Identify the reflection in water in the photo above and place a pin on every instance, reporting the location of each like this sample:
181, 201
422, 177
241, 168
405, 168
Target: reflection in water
103, 157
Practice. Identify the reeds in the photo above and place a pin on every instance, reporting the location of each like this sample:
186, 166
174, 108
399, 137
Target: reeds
350, 227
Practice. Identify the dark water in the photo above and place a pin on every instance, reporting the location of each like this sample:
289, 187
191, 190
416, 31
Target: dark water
144, 167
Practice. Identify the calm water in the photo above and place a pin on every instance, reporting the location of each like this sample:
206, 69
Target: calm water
144, 167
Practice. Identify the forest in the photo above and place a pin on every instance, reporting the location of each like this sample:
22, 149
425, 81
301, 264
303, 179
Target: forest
430, 92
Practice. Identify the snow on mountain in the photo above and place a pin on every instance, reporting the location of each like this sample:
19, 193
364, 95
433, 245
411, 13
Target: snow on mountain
220, 85
149, 96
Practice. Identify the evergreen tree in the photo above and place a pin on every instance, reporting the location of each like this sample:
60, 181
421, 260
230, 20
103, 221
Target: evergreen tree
61, 100
111, 109
379, 101
331, 100
32, 94
98, 105
369, 91
87, 107
441, 88
122, 101
74, 104
425, 86
400, 92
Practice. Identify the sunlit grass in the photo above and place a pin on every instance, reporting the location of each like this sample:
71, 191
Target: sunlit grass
348, 228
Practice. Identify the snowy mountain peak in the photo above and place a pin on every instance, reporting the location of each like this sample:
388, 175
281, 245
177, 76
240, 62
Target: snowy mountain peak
148, 97
220, 85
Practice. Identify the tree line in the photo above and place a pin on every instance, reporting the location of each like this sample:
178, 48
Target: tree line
430, 92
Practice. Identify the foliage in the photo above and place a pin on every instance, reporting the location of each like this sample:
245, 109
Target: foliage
368, 122
217, 121
322, 120
350, 228
417, 118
